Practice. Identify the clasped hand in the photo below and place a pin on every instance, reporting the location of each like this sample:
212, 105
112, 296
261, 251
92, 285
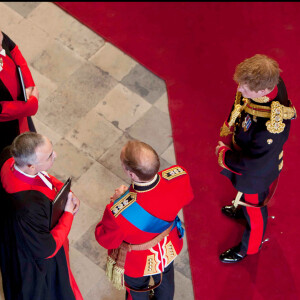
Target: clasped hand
72, 204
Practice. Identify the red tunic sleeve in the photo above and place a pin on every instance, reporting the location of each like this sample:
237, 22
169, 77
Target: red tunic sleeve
108, 233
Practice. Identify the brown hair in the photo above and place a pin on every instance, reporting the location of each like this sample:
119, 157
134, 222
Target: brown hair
141, 159
23, 148
258, 72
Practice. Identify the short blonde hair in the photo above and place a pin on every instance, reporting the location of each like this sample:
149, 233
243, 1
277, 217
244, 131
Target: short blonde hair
258, 72
141, 159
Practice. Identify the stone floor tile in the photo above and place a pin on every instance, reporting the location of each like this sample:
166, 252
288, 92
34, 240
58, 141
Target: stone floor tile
169, 155
44, 85
162, 103
93, 134
50, 18
153, 128
57, 57
86, 273
8, 17
23, 8
111, 158
96, 186
144, 83
61, 110
88, 245
183, 287
180, 215
90, 85
163, 164
30, 39
83, 220
122, 107
182, 261
104, 290
81, 39
42, 128
114, 61
70, 161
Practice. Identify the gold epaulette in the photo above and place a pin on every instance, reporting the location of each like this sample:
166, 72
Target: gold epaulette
261, 111
172, 173
276, 114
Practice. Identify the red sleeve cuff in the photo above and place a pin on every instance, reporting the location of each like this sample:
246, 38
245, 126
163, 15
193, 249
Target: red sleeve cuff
61, 230
12, 110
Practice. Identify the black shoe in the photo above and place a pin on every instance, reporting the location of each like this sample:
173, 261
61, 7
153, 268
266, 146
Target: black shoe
232, 255
233, 212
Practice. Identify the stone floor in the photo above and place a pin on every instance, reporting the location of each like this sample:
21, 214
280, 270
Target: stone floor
93, 98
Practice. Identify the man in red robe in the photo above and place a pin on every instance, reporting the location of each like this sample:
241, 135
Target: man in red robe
14, 114
34, 258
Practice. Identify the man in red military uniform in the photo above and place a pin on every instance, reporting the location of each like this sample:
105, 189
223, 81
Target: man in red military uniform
143, 220
251, 152
34, 259
14, 114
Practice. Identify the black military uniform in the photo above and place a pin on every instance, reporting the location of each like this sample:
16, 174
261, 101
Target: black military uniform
258, 129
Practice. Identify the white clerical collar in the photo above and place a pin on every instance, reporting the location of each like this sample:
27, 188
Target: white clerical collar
42, 175
2, 52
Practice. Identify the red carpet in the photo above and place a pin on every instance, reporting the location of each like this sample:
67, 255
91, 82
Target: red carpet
195, 47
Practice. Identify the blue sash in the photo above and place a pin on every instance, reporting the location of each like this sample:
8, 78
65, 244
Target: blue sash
140, 218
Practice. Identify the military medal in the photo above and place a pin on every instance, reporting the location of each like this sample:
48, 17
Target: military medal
1, 64
246, 123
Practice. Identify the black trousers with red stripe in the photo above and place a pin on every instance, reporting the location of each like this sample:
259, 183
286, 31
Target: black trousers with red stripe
256, 222
165, 291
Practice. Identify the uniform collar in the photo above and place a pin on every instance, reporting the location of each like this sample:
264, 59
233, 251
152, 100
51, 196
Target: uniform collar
267, 98
2, 52
146, 186
272, 95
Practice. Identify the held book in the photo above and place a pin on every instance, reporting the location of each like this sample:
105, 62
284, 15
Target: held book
23, 91
59, 203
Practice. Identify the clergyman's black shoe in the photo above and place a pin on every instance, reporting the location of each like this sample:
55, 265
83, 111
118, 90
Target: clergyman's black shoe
233, 212
232, 255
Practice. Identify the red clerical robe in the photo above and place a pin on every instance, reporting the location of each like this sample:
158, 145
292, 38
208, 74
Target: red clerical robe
14, 114
34, 260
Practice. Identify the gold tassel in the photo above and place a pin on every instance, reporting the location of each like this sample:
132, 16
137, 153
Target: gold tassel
118, 278
224, 130
109, 268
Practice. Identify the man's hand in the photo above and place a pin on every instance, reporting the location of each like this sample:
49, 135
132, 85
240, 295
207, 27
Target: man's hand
118, 192
220, 144
72, 204
32, 91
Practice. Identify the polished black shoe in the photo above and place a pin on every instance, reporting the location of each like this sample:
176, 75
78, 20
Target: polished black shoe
232, 255
233, 212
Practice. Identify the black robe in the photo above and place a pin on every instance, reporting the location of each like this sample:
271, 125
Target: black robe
34, 260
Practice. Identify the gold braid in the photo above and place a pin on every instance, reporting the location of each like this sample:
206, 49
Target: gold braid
238, 108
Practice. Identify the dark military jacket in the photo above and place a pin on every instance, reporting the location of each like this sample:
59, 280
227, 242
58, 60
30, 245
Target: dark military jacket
259, 131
